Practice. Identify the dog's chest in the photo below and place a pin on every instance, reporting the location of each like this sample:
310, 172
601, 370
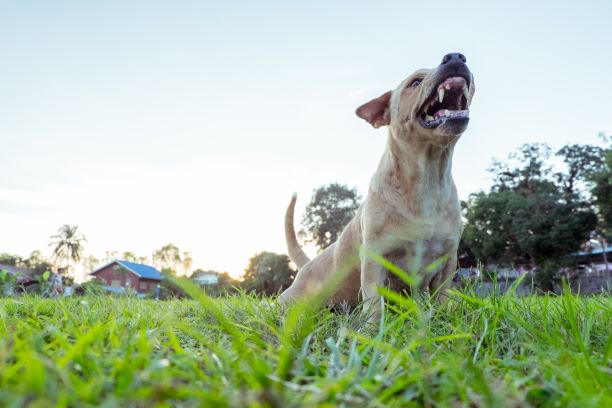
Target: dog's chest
424, 259
426, 216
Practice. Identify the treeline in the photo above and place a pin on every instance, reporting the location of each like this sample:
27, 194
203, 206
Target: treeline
268, 273
542, 207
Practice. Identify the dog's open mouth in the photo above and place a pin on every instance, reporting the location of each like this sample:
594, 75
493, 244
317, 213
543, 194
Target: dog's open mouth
448, 103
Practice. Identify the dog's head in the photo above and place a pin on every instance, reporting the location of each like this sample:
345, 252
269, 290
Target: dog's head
431, 103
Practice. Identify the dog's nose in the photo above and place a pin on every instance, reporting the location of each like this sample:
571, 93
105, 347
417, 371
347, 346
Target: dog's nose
454, 58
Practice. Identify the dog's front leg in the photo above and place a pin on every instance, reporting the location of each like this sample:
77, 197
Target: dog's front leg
372, 277
441, 282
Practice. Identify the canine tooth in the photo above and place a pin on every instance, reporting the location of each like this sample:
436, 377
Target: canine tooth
429, 118
447, 86
441, 94
466, 93
446, 112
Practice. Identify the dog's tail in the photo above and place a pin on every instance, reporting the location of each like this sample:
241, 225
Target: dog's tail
296, 253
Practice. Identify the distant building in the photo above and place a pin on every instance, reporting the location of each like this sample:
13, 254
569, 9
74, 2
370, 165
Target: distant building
468, 273
592, 262
206, 278
23, 276
510, 272
121, 275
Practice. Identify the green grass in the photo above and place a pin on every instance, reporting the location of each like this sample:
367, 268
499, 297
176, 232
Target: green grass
243, 351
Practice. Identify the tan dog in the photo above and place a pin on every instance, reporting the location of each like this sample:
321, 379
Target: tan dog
411, 209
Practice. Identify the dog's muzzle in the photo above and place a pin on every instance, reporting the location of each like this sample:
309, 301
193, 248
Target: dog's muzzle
448, 100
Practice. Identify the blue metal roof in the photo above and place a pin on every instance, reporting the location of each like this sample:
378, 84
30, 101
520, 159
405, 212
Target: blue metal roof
144, 271
597, 251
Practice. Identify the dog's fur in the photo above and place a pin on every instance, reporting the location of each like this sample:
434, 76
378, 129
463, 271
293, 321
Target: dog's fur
411, 210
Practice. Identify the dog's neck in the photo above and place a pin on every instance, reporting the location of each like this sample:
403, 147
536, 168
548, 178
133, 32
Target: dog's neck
420, 169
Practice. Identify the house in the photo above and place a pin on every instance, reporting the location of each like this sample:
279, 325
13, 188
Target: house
206, 277
593, 262
121, 275
23, 276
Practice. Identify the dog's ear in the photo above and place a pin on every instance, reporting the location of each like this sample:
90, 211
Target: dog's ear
376, 111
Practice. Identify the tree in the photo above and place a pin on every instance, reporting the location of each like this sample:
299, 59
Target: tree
601, 190
168, 257
226, 282
268, 273
38, 264
187, 262
330, 209
509, 227
110, 256
36, 258
129, 256
583, 162
532, 216
90, 263
10, 259
67, 245
525, 171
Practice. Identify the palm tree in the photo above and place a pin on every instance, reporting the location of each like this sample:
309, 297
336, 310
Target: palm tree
67, 245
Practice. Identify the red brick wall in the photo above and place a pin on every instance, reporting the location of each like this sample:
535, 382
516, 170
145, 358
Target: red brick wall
122, 276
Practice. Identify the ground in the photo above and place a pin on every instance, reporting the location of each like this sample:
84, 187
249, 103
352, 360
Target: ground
244, 351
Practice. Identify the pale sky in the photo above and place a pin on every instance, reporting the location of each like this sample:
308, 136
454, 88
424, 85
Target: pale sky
193, 122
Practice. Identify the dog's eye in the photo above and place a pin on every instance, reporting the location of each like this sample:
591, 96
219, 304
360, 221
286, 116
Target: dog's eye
415, 83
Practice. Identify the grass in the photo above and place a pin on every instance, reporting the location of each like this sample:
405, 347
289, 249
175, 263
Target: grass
243, 351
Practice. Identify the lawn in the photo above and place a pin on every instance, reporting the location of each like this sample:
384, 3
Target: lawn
502, 351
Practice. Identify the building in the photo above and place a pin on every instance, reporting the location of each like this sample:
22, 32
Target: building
121, 275
23, 276
205, 277
595, 261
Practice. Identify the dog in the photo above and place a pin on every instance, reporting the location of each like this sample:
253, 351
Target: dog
411, 211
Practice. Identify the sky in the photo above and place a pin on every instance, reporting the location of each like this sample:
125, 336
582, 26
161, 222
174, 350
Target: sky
193, 122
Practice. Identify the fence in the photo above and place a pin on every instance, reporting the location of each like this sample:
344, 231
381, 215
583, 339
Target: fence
586, 285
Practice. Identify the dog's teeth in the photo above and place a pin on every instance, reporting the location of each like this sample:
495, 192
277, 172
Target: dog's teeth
448, 87
466, 93
446, 112
429, 118
441, 94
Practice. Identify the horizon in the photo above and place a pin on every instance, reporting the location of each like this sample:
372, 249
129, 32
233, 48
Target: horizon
193, 123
